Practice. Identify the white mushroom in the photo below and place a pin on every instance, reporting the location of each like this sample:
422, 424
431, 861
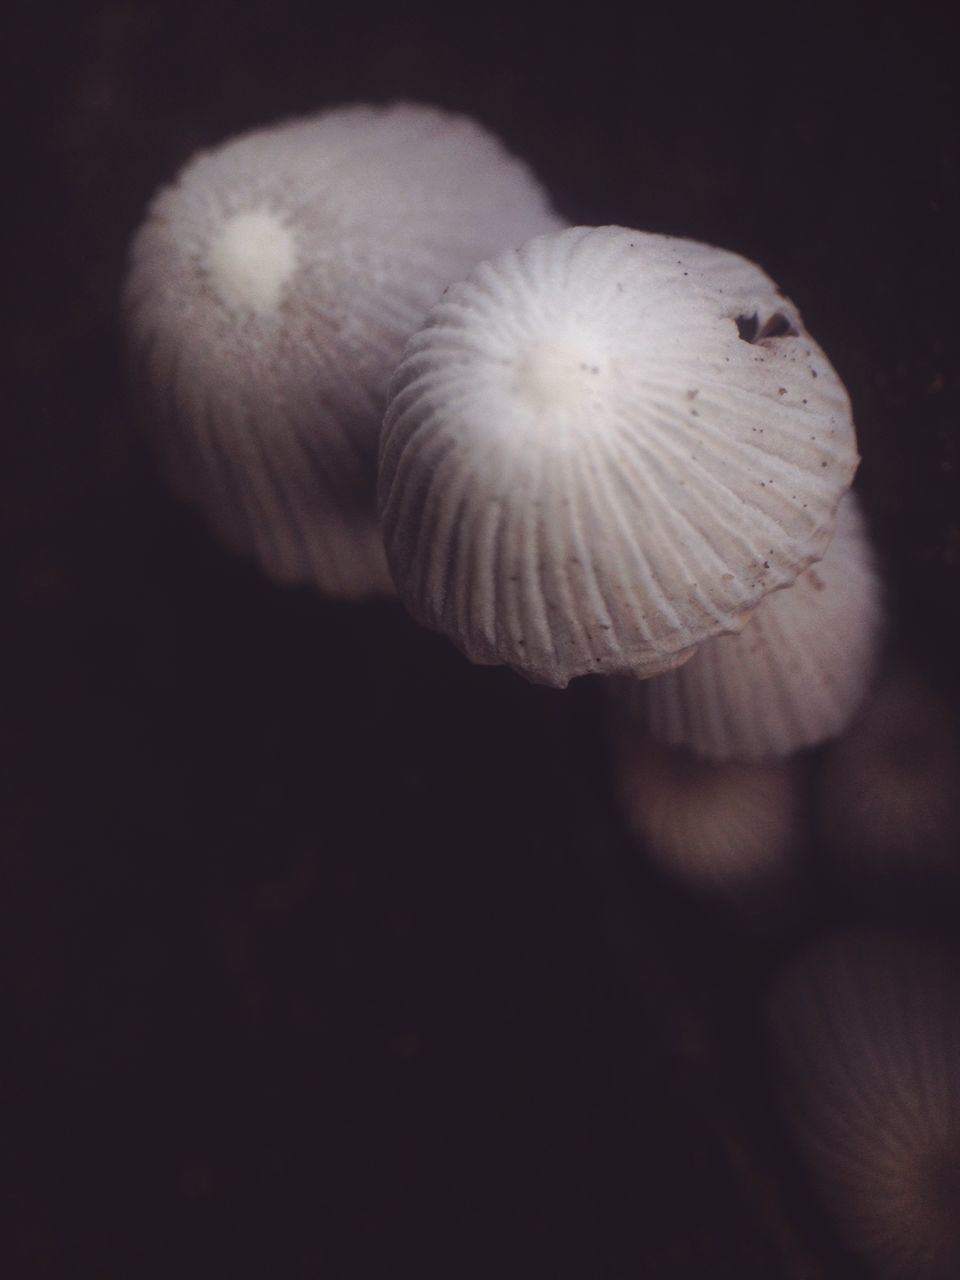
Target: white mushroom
889, 789
270, 292
793, 677
605, 447
728, 829
868, 1031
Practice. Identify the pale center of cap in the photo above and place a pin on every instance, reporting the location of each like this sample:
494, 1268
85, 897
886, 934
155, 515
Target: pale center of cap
559, 376
251, 257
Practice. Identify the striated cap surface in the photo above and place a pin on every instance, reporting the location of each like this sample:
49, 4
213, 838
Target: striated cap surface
605, 447
867, 1026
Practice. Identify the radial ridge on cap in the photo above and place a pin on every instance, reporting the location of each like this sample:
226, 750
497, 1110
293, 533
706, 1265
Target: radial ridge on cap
603, 448
730, 828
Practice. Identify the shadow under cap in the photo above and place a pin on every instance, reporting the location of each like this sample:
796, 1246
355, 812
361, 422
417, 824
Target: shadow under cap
867, 1029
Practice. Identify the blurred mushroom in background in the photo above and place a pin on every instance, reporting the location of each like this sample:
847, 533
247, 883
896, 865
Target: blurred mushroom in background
888, 790
605, 447
270, 292
866, 1026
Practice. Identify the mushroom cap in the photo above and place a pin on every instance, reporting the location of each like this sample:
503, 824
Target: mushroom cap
724, 828
868, 1030
603, 448
889, 789
794, 676
270, 292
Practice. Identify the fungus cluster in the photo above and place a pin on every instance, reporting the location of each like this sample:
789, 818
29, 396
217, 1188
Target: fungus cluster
602, 451
729, 829
372, 357
618, 453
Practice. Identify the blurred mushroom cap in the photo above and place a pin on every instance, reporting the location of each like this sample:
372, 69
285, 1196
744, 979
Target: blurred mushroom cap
730, 829
270, 292
867, 1026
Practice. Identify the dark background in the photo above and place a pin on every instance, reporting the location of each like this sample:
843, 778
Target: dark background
321, 952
